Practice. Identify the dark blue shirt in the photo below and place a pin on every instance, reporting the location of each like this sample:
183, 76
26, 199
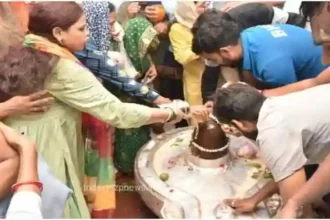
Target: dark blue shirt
98, 63
279, 55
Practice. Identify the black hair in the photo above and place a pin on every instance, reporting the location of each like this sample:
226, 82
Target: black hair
208, 16
23, 71
209, 36
237, 102
309, 9
111, 7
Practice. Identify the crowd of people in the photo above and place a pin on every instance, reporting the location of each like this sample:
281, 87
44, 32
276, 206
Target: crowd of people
82, 85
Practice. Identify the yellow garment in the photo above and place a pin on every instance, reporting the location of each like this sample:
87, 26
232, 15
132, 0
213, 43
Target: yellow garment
58, 132
193, 66
181, 40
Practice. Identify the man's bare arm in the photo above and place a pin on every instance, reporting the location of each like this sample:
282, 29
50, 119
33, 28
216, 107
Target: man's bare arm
265, 192
290, 185
322, 78
316, 187
247, 205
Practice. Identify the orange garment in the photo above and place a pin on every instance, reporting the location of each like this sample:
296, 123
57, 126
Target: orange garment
21, 11
13, 23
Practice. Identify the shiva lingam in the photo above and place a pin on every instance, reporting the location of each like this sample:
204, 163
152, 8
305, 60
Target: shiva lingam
215, 152
188, 172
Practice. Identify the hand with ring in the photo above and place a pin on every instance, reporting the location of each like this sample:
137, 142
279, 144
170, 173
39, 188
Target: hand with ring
34, 103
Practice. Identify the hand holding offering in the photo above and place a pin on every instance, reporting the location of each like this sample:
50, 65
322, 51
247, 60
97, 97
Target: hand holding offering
199, 113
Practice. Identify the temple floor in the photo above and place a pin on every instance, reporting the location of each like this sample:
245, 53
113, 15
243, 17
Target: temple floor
129, 203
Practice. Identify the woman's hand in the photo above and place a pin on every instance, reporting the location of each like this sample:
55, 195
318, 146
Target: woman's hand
161, 27
242, 205
118, 58
37, 102
161, 100
155, 13
180, 115
133, 9
199, 113
202, 6
16, 140
151, 73
209, 105
152, 12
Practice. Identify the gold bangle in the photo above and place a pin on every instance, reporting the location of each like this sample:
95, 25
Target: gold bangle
169, 115
172, 115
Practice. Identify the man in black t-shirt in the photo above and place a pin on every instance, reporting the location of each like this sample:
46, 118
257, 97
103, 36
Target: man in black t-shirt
246, 15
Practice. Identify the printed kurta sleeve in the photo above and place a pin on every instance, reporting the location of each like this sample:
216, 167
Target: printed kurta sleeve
181, 41
76, 86
282, 152
103, 67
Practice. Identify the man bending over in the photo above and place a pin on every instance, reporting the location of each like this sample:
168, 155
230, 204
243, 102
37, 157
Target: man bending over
291, 131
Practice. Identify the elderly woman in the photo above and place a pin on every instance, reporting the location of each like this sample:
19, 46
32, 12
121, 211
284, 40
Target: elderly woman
57, 30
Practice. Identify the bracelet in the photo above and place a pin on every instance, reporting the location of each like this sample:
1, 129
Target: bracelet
36, 183
172, 116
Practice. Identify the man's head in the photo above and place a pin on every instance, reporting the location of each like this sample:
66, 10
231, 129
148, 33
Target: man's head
318, 13
207, 17
239, 105
216, 38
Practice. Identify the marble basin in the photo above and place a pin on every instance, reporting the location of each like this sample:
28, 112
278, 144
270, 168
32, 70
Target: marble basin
173, 185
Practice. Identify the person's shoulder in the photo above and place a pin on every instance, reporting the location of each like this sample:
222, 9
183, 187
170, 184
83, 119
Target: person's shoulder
270, 28
177, 27
252, 34
65, 63
250, 10
294, 31
269, 116
66, 67
253, 29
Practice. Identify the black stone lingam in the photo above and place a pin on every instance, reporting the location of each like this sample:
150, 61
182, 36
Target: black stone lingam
210, 140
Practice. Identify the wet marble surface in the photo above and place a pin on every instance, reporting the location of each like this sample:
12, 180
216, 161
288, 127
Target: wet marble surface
190, 191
